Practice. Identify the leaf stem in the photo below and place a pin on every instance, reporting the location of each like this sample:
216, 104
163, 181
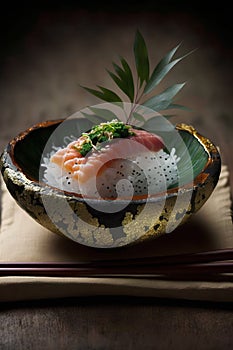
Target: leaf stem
135, 100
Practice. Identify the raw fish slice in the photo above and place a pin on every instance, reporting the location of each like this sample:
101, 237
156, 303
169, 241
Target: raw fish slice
84, 168
151, 141
98, 161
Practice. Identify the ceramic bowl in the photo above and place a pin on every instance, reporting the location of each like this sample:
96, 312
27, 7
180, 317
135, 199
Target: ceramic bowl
84, 220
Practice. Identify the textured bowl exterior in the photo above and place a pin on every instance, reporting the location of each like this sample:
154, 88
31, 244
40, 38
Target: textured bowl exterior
101, 229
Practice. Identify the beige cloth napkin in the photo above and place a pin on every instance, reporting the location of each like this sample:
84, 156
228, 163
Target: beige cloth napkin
22, 239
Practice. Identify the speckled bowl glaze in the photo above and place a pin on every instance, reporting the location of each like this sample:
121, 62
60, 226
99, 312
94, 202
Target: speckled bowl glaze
78, 219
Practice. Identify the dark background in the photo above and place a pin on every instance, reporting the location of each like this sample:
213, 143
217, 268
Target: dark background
17, 19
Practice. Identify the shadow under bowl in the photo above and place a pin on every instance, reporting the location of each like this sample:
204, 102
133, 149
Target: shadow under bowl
86, 220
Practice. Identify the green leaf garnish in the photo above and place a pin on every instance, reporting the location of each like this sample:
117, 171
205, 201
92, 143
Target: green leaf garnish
141, 58
106, 94
164, 99
104, 113
139, 117
167, 58
162, 68
93, 118
124, 80
136, 88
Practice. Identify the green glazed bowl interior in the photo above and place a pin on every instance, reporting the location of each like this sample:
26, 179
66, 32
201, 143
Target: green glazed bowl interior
20, 166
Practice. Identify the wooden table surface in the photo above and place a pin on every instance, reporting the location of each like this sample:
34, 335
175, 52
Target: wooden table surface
115, 323
45, 55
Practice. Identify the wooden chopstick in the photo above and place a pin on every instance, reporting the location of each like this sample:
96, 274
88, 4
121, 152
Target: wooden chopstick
186, 272
206, 265
110, 270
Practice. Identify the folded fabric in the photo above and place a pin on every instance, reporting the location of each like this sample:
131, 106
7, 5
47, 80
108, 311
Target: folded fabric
31, 288
23, 240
